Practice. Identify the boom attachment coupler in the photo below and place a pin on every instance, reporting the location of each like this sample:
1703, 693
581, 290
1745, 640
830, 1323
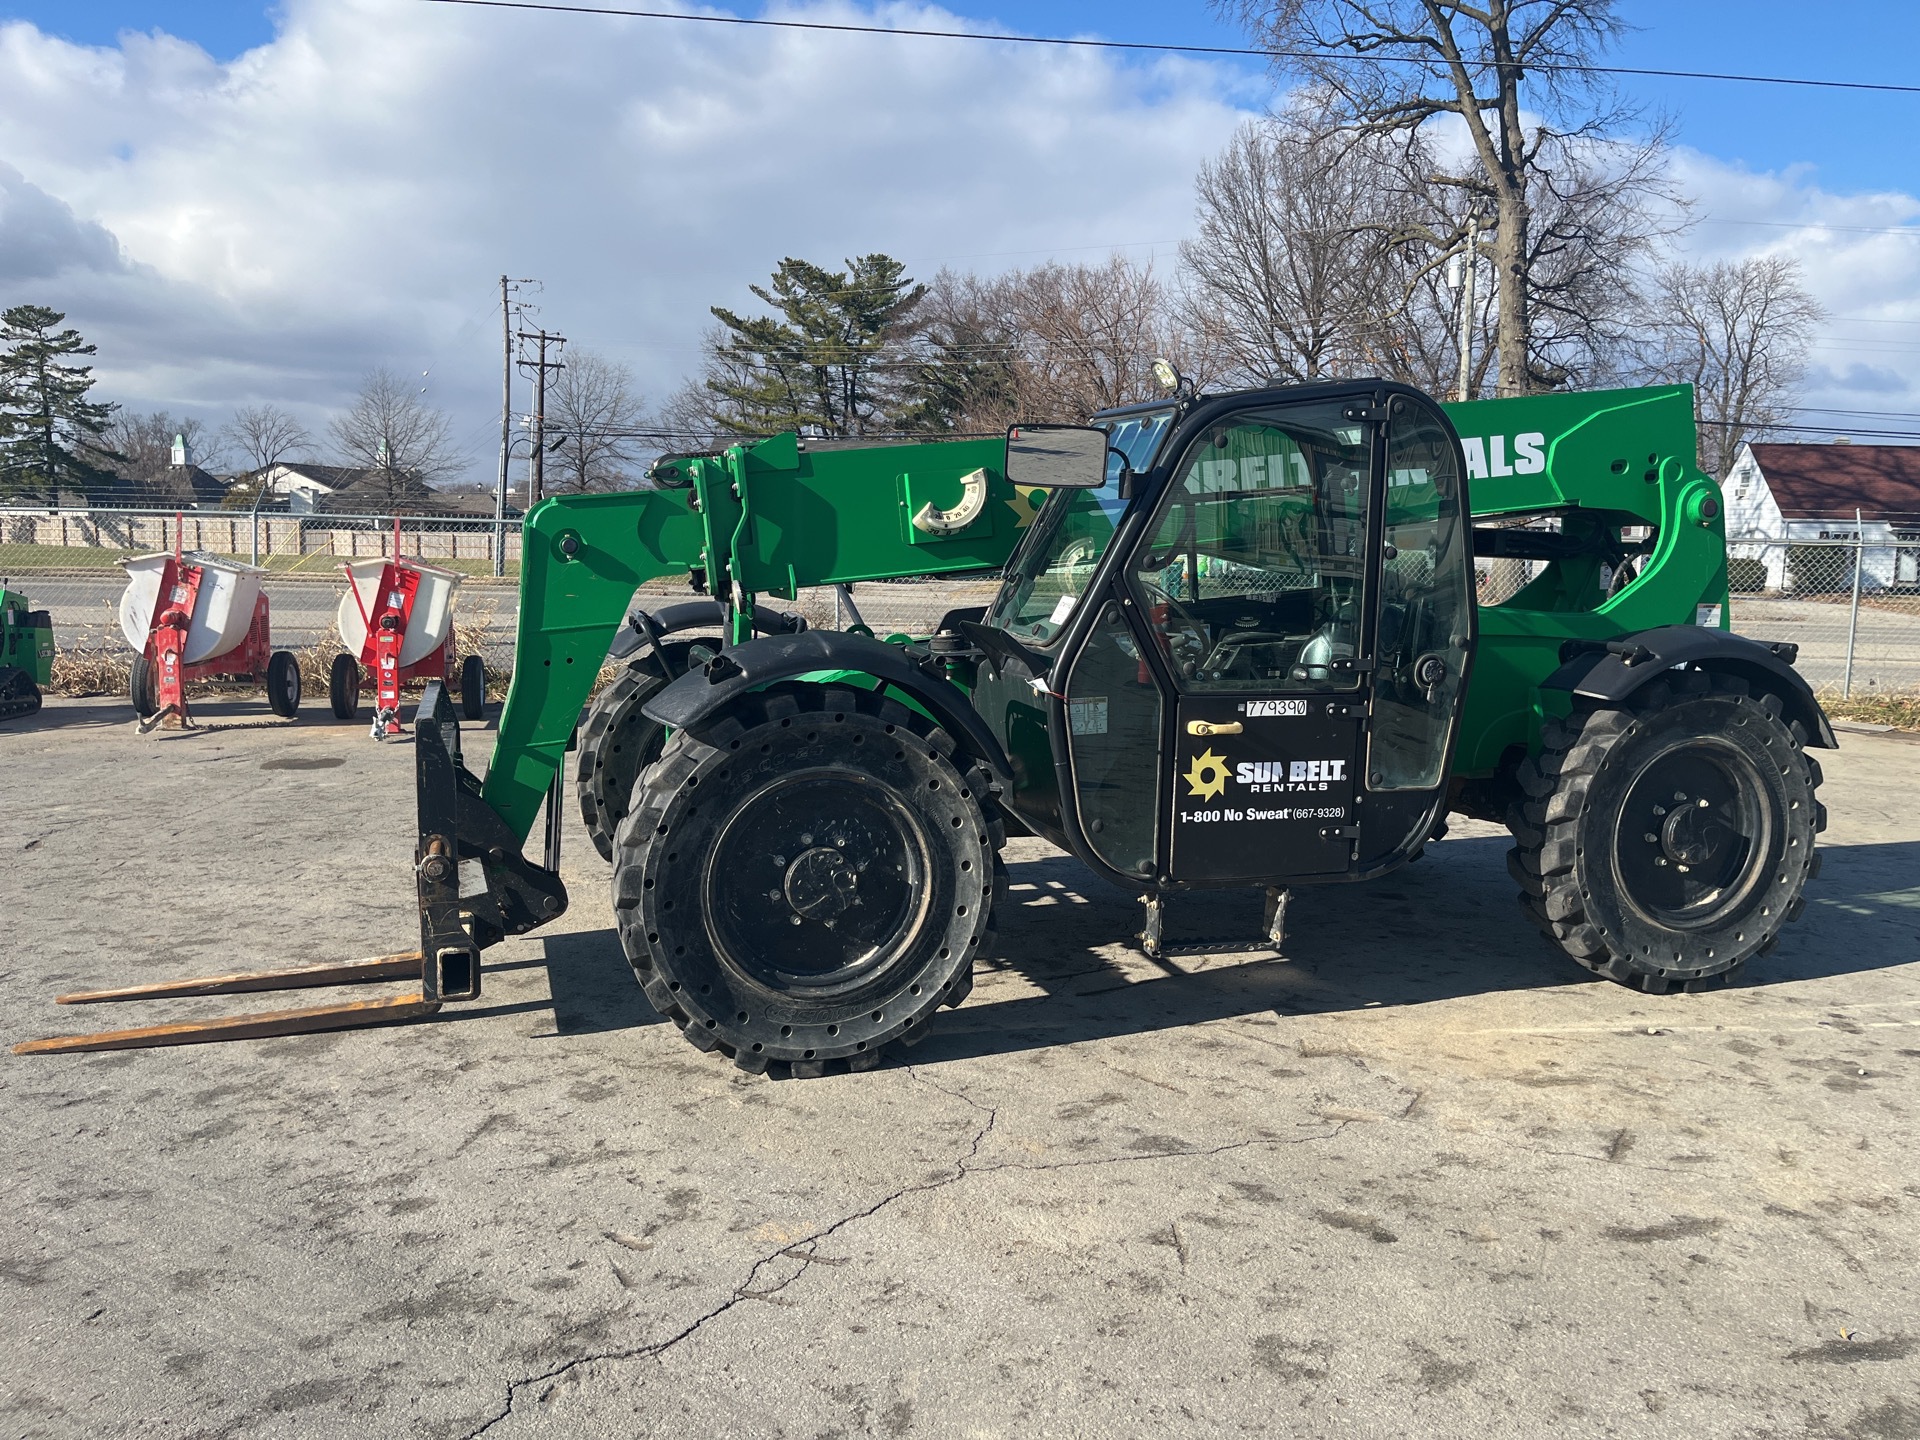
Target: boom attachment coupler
474, 888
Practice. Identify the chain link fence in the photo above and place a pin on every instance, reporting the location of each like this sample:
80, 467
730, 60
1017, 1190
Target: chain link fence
67, 563
1850, 602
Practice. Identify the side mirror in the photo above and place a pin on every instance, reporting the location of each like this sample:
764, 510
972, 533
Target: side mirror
1057, 457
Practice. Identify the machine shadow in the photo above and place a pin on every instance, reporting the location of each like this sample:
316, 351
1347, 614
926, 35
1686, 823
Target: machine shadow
222, 710
91, 714
592, 985
1444, 928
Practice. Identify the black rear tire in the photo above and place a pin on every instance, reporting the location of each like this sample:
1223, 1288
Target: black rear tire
473, 688
140, 687
343, 686
1664, 844
19, 695
618, 743
810, 882
283, 684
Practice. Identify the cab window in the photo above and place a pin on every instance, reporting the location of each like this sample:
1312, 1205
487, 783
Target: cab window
1253, 578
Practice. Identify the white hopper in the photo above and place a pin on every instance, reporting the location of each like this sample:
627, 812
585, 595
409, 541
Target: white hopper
427, 626
222, 612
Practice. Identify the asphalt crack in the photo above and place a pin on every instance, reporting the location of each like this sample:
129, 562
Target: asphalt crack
805, 1251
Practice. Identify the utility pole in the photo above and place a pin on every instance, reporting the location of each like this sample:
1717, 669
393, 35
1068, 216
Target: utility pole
537, 482
507, 307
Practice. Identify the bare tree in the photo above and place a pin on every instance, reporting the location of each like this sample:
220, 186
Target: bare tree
144, 445
1289, 269
685, 422
265, 436
1092, 332
975, 354
973, 363
1054, 343
402, 443
1517, 75
1739, 333
596, 419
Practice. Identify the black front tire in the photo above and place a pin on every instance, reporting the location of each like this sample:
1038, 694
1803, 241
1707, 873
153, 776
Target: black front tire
283, 684
140, 687
1665, 844
473, 688
343, 686
618, 742
809, 883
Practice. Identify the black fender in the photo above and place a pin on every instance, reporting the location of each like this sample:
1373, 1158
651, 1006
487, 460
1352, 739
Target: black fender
700, 696
644, 624
1612, 670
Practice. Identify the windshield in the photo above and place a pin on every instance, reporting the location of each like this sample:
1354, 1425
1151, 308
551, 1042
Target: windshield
1135, 436
1053, 567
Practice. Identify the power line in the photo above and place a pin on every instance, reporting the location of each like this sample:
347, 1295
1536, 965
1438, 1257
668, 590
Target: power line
1768, 224
1157, 47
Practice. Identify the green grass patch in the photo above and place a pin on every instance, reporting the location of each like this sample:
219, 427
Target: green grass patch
23, 559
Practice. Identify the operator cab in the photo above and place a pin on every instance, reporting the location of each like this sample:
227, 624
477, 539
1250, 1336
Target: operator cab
1233, 647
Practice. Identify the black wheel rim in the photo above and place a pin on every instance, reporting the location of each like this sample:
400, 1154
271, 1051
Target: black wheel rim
1695, 837
818, 881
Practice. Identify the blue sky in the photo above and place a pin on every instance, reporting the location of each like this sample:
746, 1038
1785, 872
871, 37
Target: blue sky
1851, 141
281, 196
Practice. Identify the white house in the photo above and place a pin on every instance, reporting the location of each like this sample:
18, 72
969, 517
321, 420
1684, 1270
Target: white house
304, 485
1795, 495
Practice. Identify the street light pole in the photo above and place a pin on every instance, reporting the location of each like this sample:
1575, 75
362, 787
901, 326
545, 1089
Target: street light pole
1467, 304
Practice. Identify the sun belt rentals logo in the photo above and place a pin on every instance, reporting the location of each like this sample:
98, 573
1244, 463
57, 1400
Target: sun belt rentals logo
1207, 777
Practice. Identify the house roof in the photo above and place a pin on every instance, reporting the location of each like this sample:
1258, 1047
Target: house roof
187, 485
327, 477
1831, 481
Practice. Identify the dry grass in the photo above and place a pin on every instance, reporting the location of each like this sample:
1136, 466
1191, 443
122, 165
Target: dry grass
1900, 711
94, 661
91, 672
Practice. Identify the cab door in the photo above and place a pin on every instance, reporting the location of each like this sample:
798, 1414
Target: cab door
1254, 584
1259, 599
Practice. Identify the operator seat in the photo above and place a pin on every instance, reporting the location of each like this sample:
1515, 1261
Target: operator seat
1335, 640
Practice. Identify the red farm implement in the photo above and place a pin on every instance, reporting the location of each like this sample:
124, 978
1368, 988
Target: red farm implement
398, 615
198, 617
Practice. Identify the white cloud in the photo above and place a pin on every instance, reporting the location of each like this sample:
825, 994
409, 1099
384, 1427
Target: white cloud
348, 195
1868, 280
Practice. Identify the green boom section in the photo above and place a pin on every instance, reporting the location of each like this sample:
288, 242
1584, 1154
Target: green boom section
778, 516
773, 517
1599, 463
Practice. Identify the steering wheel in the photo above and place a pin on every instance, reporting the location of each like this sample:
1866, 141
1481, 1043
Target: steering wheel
1187, 638
1231, 648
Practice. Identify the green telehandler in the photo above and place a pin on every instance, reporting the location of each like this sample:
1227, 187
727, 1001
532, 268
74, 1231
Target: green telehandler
1240, 643
26, 654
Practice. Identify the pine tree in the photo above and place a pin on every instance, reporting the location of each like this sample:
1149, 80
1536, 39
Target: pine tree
52, 437
821, 362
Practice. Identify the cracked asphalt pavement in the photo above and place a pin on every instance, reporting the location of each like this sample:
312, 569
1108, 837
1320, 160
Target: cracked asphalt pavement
1419, 1177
